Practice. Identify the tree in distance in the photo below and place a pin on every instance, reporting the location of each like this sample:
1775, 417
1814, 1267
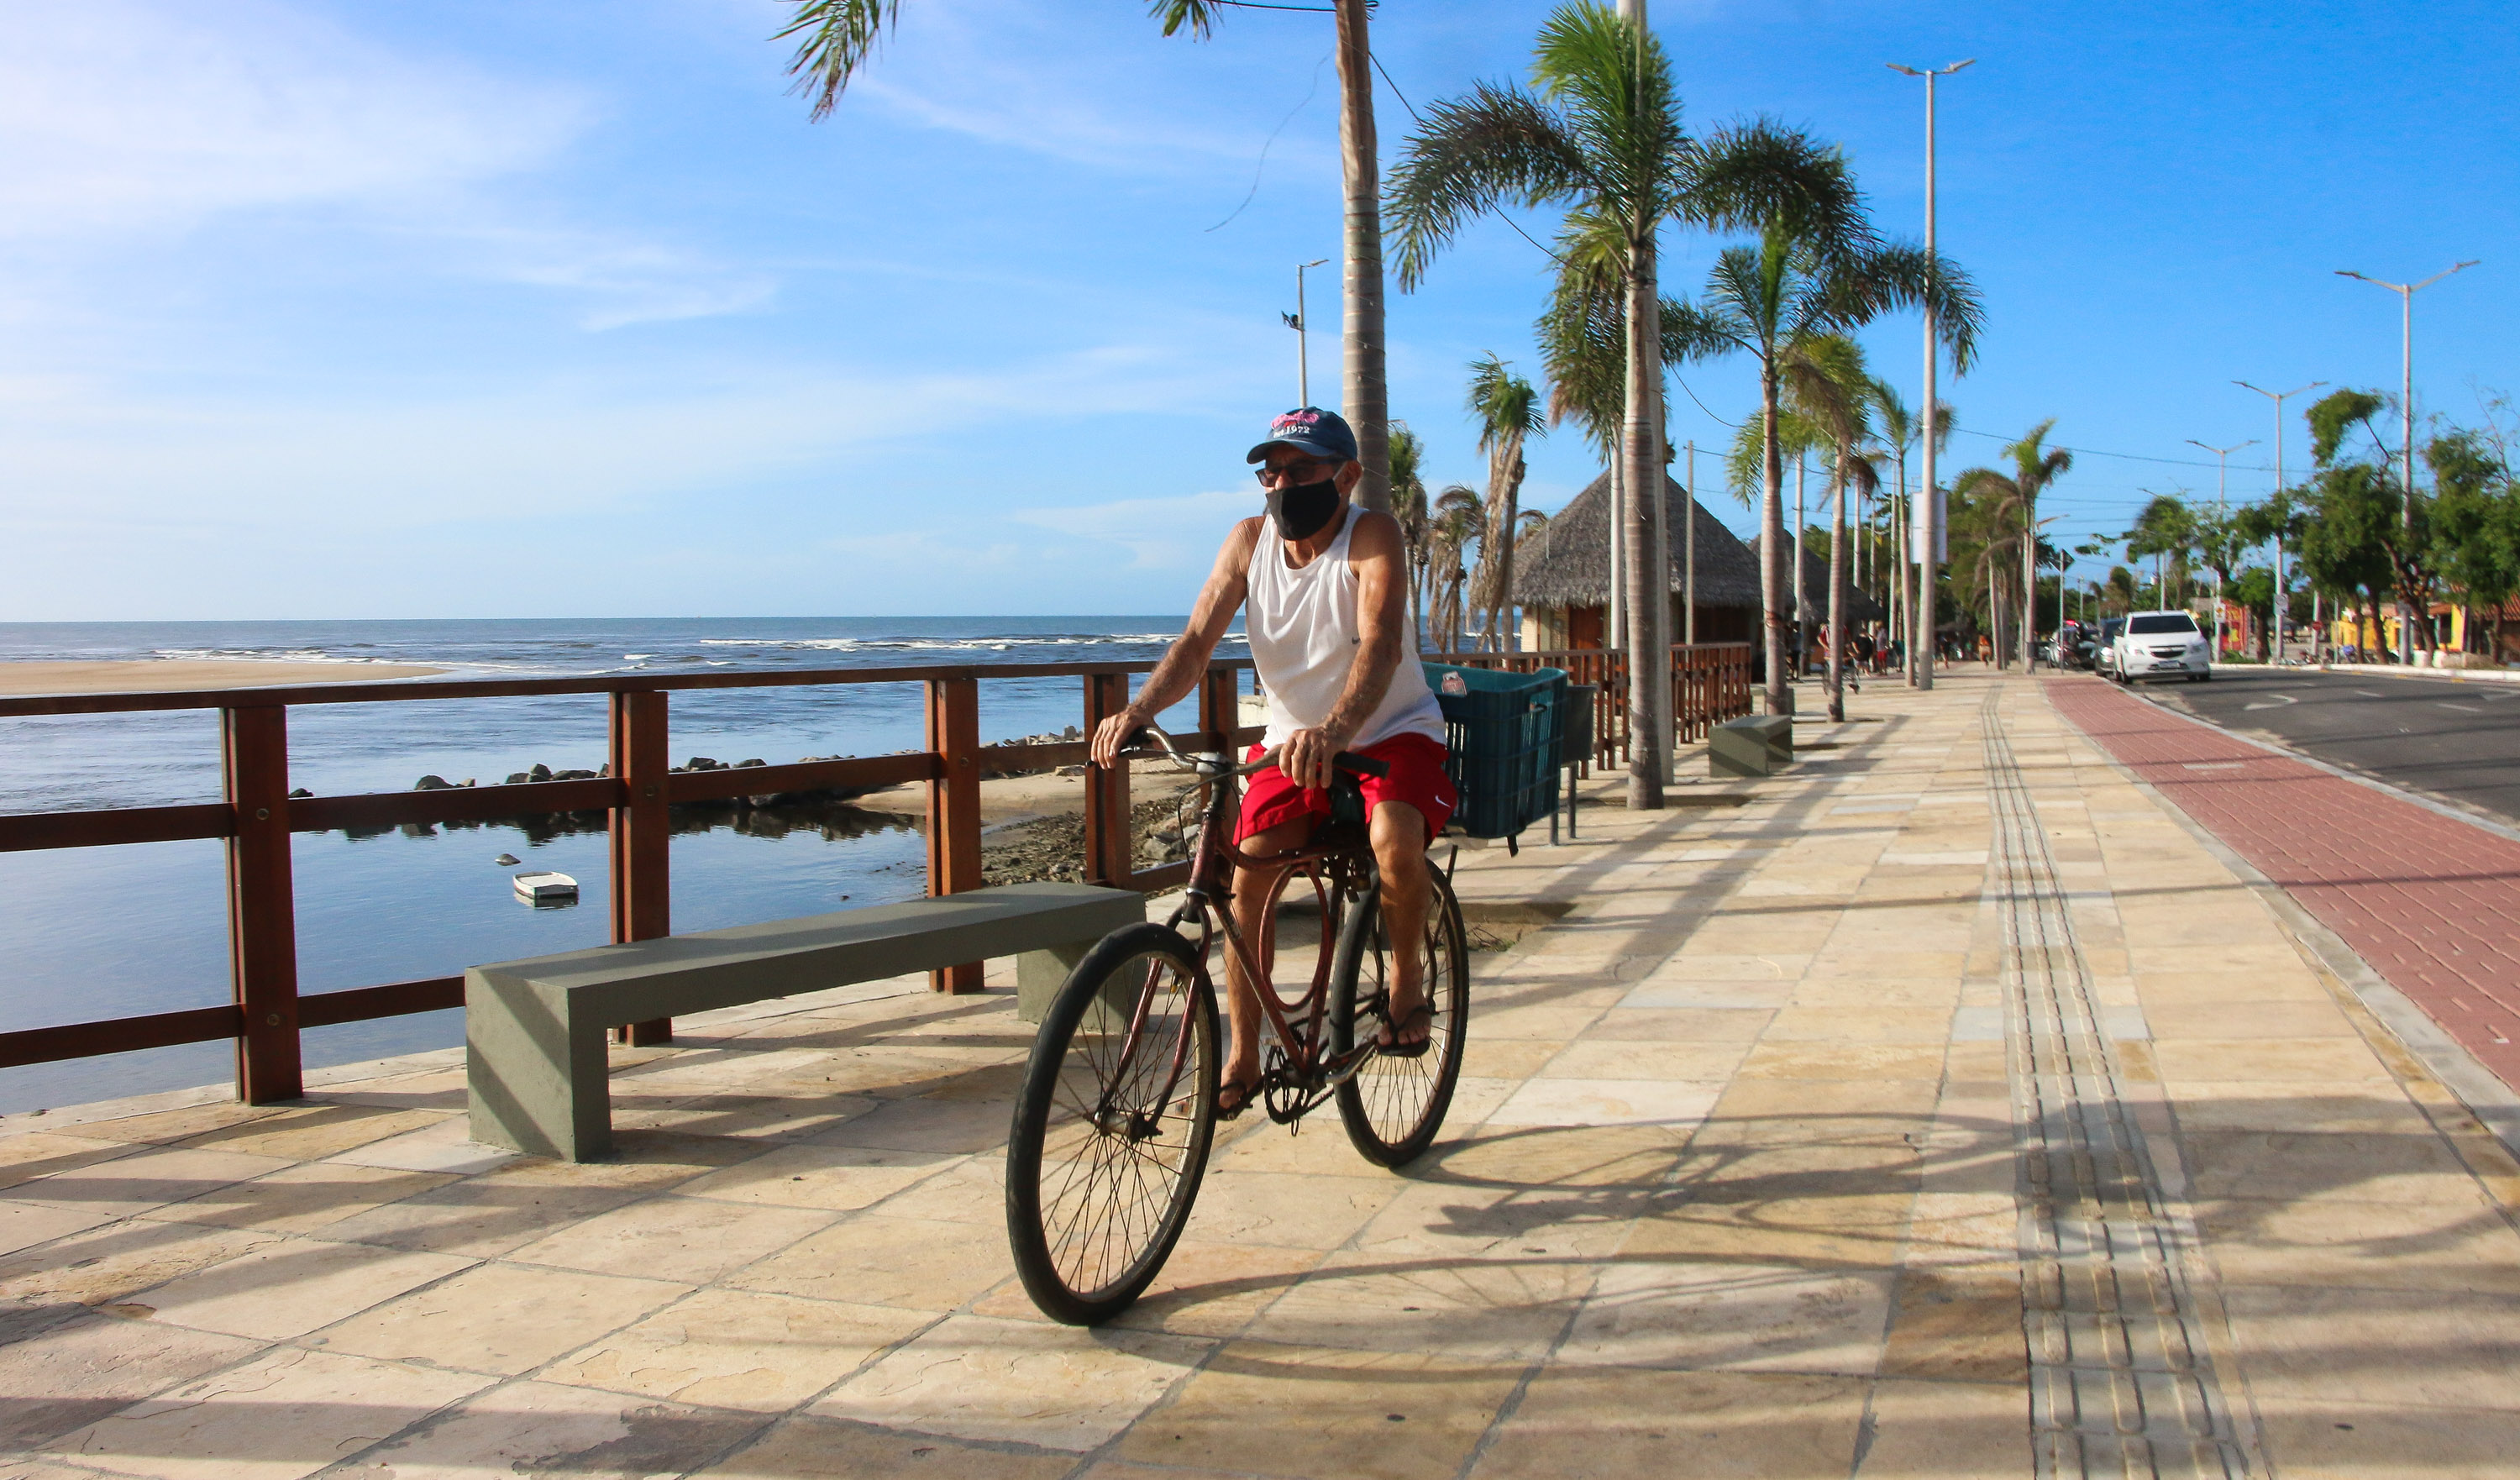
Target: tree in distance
1507, 411
1408, 507
1818, 268
2012, 501
2358, 544
1599, 132
2166, 531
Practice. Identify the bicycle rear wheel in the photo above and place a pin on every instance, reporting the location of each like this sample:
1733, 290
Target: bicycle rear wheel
1109, 1140
1394, 1107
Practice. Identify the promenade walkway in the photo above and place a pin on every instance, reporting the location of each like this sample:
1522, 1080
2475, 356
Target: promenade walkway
2428, 899
1947, 1107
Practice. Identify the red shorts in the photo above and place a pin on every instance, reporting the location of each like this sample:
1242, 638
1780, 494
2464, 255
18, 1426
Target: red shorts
1417, 778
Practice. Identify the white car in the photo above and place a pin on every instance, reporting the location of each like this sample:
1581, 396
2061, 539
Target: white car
2161, 644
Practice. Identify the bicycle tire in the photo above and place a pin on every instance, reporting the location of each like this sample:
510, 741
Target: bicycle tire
1394, 1107
1082, 1261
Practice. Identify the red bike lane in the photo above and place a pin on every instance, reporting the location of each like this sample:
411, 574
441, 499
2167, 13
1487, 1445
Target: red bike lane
2430, 902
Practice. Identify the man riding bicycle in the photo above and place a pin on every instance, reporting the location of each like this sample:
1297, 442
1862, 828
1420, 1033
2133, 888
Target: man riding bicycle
1326, 585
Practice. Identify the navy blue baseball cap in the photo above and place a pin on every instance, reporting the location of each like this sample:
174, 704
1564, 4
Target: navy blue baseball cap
1309, 429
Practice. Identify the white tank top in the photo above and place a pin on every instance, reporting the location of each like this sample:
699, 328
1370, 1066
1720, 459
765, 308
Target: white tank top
1304, 636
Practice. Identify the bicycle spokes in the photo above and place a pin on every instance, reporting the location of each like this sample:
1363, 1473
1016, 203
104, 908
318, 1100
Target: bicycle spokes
1122, 1123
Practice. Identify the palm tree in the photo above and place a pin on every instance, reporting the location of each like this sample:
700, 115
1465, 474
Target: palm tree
1898, 430
2034, 466
1827, 379
1408, 507
1818, 268
1460, 520
1598, 133
836, 37
1507, 410
1582, 343
2163, 530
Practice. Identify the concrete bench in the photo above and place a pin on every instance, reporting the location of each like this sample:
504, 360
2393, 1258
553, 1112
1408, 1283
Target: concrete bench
1760, 745
535, 1030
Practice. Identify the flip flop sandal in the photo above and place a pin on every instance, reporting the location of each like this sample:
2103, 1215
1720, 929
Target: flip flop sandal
1245, 1092
1388, 1042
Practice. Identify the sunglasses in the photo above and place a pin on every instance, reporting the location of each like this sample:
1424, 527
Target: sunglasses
1295, 473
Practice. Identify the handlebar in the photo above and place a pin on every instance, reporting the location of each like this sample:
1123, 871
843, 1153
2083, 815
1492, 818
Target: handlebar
1347, 760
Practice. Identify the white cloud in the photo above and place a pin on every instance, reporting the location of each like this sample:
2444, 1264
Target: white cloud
623, 282
1172, 534
124, 114
978, 68
124, 122
528, 450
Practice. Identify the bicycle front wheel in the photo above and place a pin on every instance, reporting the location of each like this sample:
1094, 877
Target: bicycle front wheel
1112, 1132
1393, 1107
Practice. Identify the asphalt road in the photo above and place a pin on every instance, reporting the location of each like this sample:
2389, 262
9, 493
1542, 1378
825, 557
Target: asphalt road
2455, 742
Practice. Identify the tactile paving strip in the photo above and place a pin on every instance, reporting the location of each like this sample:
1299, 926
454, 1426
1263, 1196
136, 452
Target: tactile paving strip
2122, 1381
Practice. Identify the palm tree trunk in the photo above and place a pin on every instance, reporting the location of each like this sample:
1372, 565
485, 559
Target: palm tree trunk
1363, 396
1802, 598
1512, 632
1771, 543
2029, 581
1837, 594
1649, 589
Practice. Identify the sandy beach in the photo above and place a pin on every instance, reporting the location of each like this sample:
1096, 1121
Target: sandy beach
156, 675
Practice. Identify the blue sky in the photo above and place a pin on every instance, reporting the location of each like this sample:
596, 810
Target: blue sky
517, 307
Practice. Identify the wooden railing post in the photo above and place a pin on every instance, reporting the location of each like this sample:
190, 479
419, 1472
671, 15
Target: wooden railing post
1108, 854
262, 909
1220, 709
953, 807
641, 836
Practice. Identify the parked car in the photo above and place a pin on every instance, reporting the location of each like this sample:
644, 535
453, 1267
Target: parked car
2104, 640
2162, 645
2076, 645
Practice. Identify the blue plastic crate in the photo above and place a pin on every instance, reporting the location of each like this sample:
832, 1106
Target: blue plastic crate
1503, 729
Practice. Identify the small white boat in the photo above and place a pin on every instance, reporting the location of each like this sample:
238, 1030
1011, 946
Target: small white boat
538, 887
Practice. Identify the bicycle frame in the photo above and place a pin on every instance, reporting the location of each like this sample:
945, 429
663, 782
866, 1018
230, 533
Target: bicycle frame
1307, 1067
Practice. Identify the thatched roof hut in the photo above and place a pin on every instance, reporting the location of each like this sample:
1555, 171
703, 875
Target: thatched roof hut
1567, 563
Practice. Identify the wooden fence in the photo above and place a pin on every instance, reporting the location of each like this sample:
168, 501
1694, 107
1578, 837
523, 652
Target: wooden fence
258, 816
1710, 682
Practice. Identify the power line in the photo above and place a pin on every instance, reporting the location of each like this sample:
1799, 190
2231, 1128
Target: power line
2093, 452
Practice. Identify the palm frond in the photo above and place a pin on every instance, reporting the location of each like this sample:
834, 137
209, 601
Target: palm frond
1505, 403
1900, 275
1198, 14
1765, 174
1744, 467
838, 36
1495, 147
1690, 332
1612, 81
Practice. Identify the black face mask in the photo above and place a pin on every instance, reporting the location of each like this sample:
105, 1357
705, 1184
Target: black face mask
1304, 508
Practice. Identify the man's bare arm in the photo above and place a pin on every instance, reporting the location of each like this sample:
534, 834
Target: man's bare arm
1185, 660
1375, 553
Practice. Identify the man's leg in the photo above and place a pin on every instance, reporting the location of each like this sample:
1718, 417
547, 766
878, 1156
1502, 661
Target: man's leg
1251, 917
1399, 833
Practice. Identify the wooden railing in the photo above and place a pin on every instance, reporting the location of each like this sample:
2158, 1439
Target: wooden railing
1710, 682
258, 816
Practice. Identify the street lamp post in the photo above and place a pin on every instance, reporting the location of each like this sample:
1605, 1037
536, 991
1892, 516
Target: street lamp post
2406, 293
2279, 398
2222, 512
1921, 654
1303, 337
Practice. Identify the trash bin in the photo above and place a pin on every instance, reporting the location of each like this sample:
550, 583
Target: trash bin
1504, 732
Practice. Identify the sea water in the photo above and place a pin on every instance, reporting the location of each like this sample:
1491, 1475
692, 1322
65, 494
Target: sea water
90, 933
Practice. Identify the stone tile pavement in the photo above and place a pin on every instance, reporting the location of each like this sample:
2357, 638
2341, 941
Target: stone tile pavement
1944, 1107
2429, 900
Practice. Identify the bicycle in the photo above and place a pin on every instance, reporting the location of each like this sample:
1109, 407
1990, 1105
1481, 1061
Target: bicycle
1119, 1105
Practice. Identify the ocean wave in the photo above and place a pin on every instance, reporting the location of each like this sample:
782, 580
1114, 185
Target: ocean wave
992, 643
263, 655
